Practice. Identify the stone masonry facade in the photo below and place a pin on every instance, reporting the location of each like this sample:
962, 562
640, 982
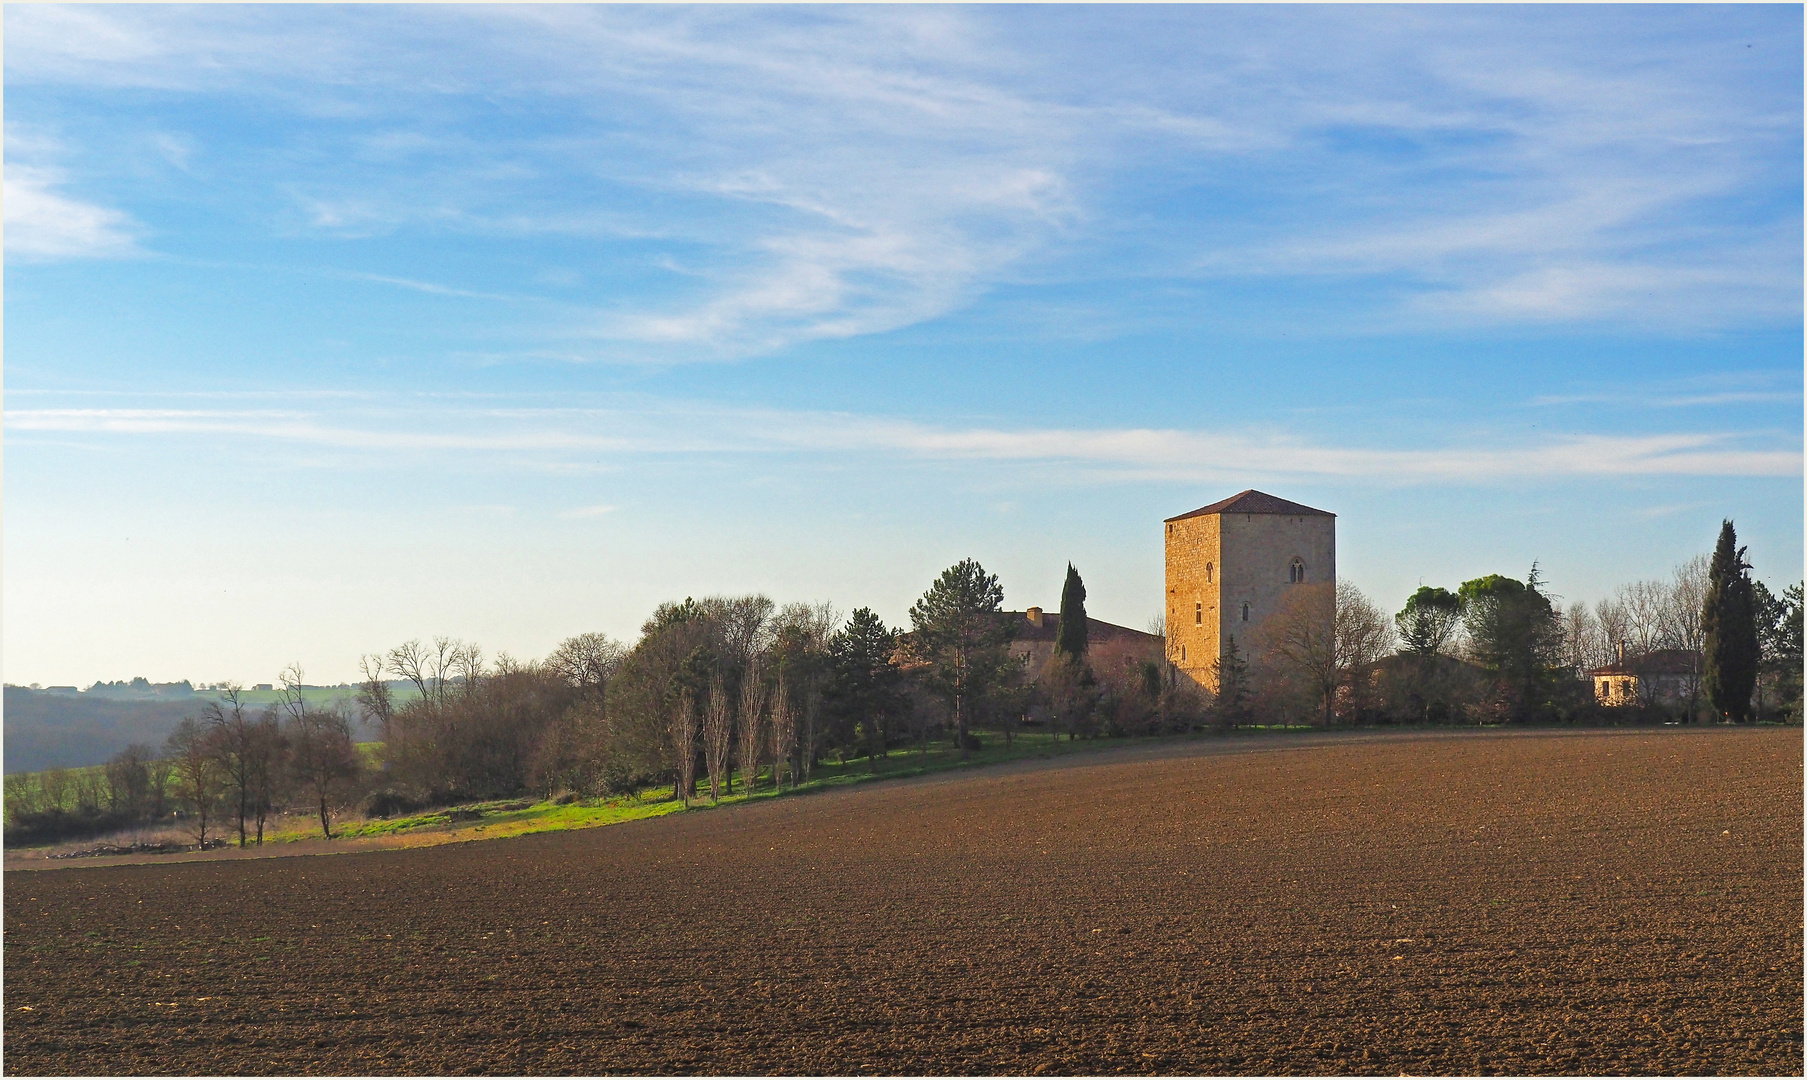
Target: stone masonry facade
1229, 566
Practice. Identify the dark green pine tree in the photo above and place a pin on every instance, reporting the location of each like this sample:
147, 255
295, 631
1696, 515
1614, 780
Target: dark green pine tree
1070, 639
1232, 705
1728, 625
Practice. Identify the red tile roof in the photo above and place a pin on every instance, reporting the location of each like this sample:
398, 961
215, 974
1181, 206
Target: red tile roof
1253, 502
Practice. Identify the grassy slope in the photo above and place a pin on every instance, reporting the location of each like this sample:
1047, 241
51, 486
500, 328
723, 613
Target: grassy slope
497, 819
505, 818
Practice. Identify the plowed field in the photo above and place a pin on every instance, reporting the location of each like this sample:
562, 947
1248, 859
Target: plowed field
1531, 902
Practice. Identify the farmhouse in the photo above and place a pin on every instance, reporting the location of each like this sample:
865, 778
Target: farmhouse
1035, 631
1660, 676
1229, 568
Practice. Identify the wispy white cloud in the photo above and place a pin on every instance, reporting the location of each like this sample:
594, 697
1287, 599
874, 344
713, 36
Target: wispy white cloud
1109, 455
827, 173
45, 223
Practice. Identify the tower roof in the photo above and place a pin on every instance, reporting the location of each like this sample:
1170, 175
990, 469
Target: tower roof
1253, 502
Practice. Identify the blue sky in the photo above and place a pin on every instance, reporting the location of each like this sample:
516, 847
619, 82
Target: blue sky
333, 327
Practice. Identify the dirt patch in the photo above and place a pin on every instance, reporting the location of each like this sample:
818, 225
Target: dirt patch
1529, 904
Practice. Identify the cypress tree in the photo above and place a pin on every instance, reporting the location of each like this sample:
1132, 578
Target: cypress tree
1728, 625
1070, 638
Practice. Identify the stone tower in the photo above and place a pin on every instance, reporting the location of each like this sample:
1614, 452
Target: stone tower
1228, 568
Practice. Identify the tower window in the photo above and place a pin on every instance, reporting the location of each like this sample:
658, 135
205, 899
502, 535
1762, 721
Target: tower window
1297, 573
1182, 654
1198, 614
1245, 611
1207, 573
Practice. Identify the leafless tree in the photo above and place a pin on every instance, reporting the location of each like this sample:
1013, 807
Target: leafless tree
129, 781
718, 734
587, 661
237, 743
53, 787
1584, 644
784, 733
374, 697
413, 663
323, 757
1363, 634
752, 721
1687, 599
1615, 627
1323, 632
199, 780
465, 662
1300, 638
683, 742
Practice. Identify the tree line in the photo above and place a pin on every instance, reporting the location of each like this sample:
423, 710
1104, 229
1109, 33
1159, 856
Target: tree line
730, 695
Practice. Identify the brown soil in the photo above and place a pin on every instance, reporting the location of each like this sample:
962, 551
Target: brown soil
1529, 903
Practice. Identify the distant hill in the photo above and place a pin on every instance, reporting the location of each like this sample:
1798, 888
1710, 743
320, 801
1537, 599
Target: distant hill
62, 727
50, 729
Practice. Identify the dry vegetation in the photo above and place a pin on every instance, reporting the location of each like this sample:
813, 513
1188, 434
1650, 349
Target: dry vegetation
1527, 902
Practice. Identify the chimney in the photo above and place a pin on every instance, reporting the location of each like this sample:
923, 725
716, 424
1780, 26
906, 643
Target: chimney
1621, 652
1035, 616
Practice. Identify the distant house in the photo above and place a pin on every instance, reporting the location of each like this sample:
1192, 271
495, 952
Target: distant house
263, 686
1663, 676
1036, 630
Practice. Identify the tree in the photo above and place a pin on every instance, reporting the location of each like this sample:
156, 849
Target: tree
956, 628
587, 661
799, 652
1515, 633
1363, 635
784, 733
1326, 632
718, 734
236, 740
864, 686
1429, 620
1231, 673
323, 758
752, 721
1729, 630
129, 781
1070, 638
199, 781
374, 698
683, 742
1301, 636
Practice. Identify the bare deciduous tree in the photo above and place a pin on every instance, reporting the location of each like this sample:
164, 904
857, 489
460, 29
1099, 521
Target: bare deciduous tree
237, 743
1323, 632
752, 721
199, 780
784, 733
323, 757
1584, 642
683, 742
1363, 634
374, 697
718, 735
587, 661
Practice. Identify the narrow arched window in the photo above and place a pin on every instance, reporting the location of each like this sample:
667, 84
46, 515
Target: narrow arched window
1298, 572
1207, 573
1245, 611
